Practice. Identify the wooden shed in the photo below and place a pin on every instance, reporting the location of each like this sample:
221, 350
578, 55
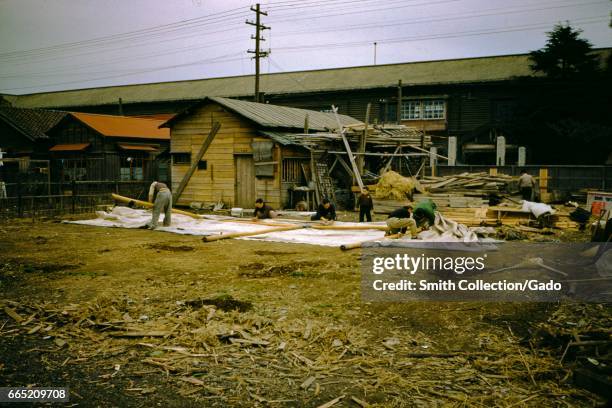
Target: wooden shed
92, 147
247, 158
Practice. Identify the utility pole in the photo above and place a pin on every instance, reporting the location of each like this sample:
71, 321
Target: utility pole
399, 102
258, 38
374, 53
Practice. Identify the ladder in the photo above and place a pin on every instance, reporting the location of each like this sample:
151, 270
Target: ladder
324, 182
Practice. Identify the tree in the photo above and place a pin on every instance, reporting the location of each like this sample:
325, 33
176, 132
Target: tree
565, 55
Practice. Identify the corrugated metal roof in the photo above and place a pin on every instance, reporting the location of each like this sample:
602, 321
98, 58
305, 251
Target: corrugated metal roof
283, 138
124, 126
275, 116
465, 70
75, 147
32, 123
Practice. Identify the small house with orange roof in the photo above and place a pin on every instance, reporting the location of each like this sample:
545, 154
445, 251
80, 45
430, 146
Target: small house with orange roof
94, 147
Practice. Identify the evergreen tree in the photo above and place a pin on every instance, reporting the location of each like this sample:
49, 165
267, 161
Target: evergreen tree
565, 55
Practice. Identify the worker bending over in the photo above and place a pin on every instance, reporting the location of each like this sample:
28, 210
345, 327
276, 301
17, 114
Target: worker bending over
400, 221
425, 214
161, 197
262, 210
404, 219
325, 212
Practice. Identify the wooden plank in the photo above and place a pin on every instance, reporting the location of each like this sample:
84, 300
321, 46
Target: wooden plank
348, 149
194, 163
363, 140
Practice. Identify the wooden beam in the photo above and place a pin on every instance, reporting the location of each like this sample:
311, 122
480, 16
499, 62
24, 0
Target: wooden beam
390, 160
147, 204
345, 165
210, 238
363, 140
426, 151
348, 149
194, 163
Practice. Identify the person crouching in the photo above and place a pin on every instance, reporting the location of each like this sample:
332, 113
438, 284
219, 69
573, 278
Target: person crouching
325, 212
262, 210
400, 221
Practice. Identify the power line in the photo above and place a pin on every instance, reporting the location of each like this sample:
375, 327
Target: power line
589, 20
458, 16
215, 17
209, 61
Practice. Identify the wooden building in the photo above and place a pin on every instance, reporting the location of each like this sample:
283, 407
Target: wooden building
234, 151
93, 147
23, 132
474, 99
243, 161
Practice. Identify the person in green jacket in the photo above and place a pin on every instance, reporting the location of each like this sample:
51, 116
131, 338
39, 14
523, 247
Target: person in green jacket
425, 213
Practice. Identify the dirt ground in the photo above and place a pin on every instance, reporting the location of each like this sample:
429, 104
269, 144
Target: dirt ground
246, 323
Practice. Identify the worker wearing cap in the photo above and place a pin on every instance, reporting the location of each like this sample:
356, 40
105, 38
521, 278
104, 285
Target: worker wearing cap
161, 197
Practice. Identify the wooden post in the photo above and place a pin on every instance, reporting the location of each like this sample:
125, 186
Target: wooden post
348, 149
313, 175
363, 140
543, 182
194, 163
452, 150
399, 101
433, 160
501, 151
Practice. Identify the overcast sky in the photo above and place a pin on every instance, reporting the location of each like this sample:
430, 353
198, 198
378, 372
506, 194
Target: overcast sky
48, 45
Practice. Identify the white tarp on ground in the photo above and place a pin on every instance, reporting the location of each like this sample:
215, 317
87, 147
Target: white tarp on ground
537, 209
444, 230
125, 217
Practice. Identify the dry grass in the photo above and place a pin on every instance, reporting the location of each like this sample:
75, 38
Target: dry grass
252, 323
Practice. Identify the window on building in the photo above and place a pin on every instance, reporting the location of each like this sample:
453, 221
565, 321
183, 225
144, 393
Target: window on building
425, 109
132, 168
74, 169
503, 110
181, 158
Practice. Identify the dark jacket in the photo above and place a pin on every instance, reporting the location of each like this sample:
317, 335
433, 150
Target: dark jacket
365, 201
403, 212
263, 212
328, 213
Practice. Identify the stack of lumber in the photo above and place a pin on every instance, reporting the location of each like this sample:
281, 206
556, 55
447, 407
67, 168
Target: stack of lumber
513, 216
452, 200
472, 217
471, 183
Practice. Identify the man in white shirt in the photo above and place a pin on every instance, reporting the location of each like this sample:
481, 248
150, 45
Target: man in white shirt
526, 185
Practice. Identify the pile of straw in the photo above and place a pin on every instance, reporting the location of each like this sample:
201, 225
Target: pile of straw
394, 186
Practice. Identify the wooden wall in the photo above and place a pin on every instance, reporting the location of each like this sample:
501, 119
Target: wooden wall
218, 181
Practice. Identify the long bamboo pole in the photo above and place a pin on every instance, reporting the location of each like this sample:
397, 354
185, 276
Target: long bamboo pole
350, 227
211, 238
359, 244
147, 204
